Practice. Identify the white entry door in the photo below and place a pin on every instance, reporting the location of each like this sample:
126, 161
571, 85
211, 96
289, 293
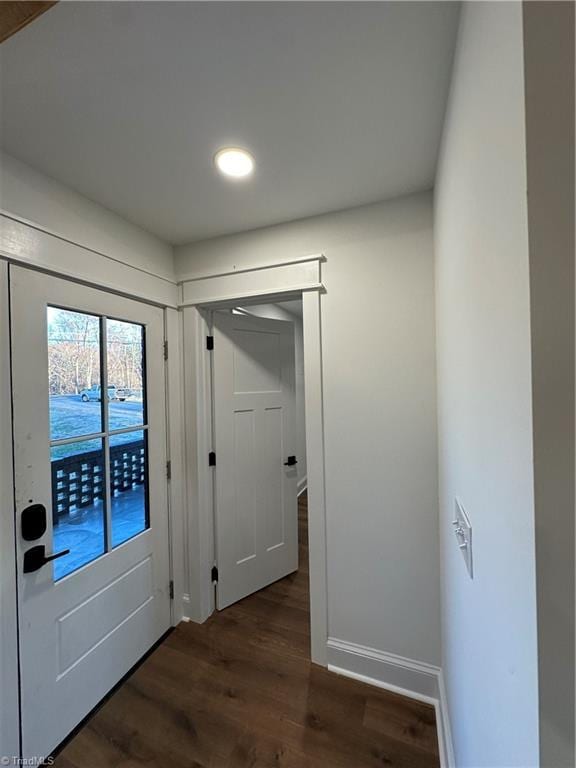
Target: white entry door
91, 501
255, 438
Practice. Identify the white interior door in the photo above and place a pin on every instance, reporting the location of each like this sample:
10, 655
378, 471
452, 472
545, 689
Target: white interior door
254, 431
89, 452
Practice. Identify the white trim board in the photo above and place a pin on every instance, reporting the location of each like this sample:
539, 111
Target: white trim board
302, 485
316, 484
46, 230
199, 534
414, 679
31, 246
191, 277
174, 375
263, 282
9, 711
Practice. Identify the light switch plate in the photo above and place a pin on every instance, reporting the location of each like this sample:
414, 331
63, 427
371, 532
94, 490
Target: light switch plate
463, 532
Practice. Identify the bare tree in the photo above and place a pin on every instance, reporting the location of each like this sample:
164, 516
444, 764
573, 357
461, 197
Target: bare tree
73, 350
74, 347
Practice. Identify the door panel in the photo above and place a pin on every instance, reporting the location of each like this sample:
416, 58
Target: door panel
245, 465
254, 427
272, 477
89, 446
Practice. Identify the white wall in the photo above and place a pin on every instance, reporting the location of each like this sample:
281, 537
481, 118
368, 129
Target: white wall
29, 194
377, 320
484, 397
549, 79
280, 312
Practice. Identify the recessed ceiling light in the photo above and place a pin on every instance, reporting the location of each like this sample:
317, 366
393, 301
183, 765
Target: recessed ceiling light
234, 162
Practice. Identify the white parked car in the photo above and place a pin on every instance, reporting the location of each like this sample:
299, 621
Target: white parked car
95, 393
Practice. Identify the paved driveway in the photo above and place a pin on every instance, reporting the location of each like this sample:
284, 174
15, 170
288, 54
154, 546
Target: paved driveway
70, 417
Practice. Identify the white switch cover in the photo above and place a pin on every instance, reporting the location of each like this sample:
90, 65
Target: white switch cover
463, 532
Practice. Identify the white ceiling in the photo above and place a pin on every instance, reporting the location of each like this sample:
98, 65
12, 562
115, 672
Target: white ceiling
341, 104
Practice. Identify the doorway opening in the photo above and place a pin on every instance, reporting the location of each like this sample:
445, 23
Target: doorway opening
259, 440
201, 300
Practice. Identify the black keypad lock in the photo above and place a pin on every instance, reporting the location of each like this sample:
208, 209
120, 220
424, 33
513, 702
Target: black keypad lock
33, 522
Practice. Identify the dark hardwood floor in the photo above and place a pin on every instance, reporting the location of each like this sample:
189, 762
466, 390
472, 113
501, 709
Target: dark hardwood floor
240, 692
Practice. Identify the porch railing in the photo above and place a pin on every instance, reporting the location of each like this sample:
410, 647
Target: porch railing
78, 481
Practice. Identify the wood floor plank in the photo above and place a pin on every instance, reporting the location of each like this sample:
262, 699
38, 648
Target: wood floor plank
404, 720
18, 14
240, 691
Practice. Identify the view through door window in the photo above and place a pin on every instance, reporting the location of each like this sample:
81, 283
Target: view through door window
98, 435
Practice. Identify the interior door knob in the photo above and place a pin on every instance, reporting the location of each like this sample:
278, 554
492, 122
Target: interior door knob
291, 461
36, 557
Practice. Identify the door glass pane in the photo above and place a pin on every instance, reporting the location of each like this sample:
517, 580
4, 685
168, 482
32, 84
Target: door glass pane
74, 373
128, 485
78, 504
126, 385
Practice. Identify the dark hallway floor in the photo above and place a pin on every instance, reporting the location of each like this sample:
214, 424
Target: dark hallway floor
239, 691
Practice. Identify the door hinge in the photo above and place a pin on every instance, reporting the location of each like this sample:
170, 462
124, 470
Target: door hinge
169, 470
214, 574
165, 350
209, 343
171, 590
212, 459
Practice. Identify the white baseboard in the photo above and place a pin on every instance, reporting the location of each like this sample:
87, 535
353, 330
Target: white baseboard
302, 485
411, 678
415, 679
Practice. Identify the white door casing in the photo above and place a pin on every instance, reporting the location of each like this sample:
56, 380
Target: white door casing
80, 635
254, 434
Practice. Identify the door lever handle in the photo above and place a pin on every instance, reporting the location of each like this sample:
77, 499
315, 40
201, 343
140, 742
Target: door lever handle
36, 557
291, 461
